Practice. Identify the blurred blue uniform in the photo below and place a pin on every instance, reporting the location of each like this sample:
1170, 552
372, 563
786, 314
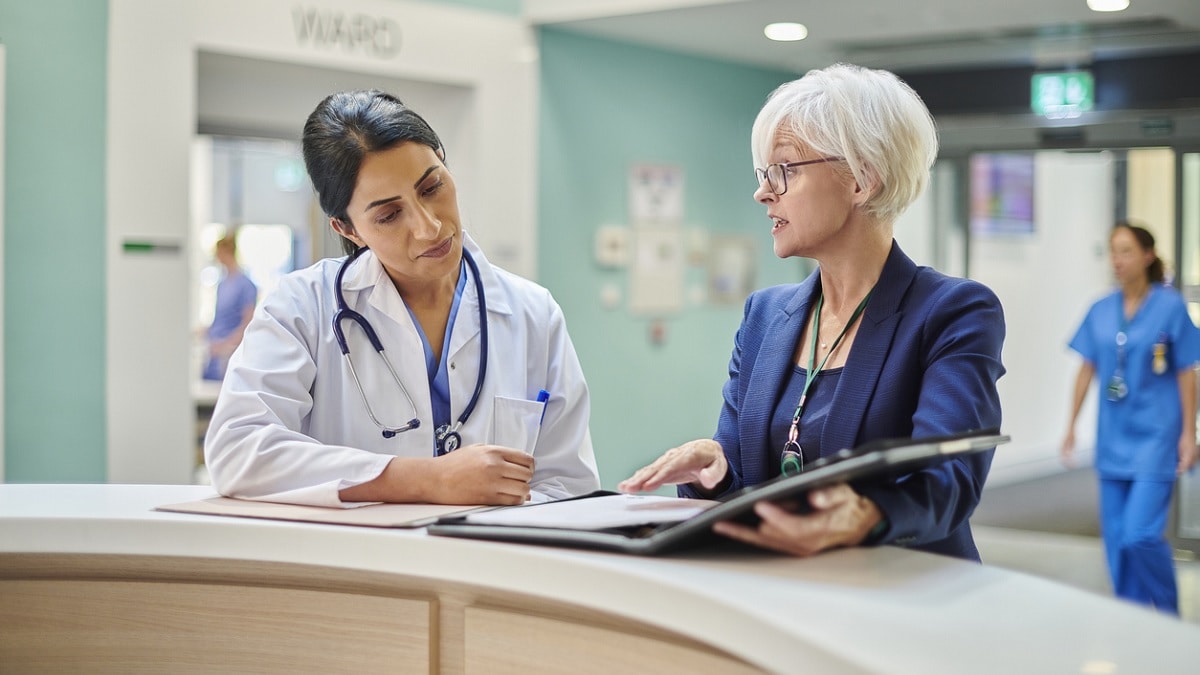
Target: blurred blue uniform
235, 293
1137, 436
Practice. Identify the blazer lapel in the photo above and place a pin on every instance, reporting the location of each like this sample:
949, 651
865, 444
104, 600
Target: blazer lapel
768, 374
860, 376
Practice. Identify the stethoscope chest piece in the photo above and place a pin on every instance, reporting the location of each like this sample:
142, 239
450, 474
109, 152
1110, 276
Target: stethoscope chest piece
447, 440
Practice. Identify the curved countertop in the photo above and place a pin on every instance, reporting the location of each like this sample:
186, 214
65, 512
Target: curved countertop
874, 610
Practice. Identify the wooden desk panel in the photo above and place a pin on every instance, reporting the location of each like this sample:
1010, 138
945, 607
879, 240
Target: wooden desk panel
509, 643
133, 627
134, 614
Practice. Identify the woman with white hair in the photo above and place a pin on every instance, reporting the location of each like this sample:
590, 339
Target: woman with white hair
870, 346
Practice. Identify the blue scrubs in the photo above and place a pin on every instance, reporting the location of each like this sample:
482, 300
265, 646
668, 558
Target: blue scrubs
235, 293
439, 374
1137, 437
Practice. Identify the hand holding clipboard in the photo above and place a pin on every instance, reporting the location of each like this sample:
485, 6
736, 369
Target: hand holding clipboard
641, 532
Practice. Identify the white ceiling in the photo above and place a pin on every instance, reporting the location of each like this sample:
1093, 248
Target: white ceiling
894, 34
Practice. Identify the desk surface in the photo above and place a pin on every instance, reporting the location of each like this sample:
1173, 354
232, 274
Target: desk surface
884, 609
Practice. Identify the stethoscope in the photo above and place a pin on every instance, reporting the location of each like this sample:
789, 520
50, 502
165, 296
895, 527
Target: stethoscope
447, 438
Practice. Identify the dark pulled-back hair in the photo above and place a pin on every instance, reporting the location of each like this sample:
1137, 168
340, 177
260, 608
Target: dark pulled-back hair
342, 130
1155, 272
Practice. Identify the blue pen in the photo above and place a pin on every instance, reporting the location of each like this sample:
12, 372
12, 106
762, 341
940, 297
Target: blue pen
543, 396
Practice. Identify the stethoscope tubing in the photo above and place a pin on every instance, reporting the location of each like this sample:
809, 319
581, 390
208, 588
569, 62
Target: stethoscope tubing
345, 313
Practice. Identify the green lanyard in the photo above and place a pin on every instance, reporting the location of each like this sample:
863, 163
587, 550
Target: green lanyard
793, 455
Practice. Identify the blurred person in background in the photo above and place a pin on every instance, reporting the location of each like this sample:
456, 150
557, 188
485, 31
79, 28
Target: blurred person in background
1142, 347
236, 296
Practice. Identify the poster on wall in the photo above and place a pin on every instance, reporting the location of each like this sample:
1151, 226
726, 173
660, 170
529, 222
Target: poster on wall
655, 194
656, 272
732, 263
1002, 197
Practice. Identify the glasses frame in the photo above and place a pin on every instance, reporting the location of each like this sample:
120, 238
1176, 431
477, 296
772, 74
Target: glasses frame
763, 175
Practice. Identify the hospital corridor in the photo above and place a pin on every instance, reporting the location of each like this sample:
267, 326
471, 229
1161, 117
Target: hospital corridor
591, 234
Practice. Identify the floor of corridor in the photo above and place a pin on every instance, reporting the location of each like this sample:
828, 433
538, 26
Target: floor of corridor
1048, 527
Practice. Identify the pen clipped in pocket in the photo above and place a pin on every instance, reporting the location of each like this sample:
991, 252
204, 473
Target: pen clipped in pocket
516, 423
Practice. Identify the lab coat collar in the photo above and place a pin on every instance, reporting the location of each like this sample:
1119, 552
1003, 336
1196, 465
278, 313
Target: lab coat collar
368, 273
497, 299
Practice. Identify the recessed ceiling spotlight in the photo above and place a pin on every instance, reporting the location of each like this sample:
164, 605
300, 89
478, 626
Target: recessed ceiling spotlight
788, 32
1107, 5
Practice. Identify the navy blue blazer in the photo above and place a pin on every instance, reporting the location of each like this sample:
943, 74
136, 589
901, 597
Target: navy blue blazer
924, 362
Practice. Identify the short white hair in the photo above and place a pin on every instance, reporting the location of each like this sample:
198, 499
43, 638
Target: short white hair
870, 118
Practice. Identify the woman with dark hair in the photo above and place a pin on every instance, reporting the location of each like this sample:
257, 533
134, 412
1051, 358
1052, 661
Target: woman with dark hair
1144, 347
410, 370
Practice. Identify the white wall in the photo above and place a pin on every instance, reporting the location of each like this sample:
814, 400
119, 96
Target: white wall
914, 229
154, 48
931, 231
1046, 282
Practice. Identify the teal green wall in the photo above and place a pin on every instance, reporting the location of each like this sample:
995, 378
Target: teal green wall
605, 106
54, 239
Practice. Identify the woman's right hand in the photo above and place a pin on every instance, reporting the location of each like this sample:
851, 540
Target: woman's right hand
701, 461
482, 474
474, 474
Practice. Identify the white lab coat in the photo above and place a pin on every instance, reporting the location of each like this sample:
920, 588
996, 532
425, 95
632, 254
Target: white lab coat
290, 425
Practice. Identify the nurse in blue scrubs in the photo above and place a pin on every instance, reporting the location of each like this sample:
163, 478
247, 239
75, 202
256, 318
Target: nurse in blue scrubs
1142, 347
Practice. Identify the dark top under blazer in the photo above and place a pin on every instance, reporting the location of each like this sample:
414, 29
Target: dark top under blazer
924, 362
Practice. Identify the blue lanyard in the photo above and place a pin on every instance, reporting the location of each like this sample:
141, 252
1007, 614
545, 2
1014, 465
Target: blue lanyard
1116, 390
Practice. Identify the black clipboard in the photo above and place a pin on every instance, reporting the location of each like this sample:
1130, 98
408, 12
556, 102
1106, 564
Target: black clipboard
875, 461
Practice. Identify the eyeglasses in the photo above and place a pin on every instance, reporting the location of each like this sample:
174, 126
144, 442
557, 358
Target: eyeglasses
776, 174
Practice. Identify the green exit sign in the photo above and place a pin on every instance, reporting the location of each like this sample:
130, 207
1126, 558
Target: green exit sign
1067, 94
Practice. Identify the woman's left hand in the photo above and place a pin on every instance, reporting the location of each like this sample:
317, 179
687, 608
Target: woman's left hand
839, 517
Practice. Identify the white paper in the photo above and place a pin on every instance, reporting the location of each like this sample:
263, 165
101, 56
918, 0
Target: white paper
596, 513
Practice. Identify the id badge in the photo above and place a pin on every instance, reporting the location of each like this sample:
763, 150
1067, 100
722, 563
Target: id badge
1116, 389
1159, 362
792, 461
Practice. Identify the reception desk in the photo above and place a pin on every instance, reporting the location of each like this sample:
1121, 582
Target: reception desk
93, 579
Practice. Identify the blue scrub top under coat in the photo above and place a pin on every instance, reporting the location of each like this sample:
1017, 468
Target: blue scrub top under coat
1138, 436
439, 377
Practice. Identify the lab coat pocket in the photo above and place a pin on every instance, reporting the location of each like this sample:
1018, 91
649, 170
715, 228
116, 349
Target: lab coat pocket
516, 423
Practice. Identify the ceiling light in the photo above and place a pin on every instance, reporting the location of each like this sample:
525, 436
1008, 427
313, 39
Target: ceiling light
1107, 5
788, 32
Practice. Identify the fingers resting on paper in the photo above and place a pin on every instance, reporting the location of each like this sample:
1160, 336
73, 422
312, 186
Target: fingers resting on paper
700, 461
